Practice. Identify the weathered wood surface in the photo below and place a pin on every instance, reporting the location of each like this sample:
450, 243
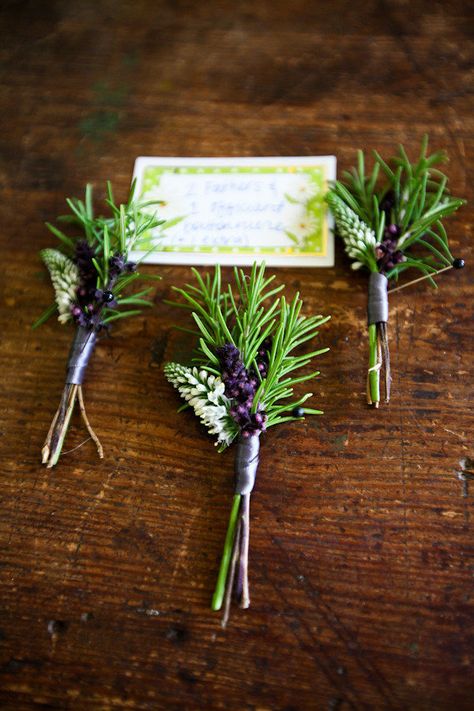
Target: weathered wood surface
361, 553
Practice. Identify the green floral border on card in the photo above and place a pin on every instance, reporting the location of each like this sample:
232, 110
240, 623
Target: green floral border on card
312, 243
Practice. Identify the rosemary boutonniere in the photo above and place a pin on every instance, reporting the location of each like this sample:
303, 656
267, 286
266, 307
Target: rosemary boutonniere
391, 220
250, 351
89, 273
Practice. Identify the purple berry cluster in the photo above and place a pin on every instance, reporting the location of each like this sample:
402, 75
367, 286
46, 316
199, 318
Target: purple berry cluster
86, 310
241, 386
386, 252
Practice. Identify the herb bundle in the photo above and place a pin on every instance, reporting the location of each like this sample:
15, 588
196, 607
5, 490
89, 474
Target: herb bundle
250, 343
89, 274
391, 220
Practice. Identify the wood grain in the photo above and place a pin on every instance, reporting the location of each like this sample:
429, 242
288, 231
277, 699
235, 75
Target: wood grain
361, 548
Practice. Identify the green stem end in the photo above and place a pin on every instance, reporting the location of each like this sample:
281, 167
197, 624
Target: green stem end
374, 370
219, 592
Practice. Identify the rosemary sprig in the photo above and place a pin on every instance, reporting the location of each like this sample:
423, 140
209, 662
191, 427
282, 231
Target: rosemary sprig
403, 203
101, 251
246, 317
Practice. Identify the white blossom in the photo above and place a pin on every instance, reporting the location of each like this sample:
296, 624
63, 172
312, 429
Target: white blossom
65, 279
358, 237
204, 392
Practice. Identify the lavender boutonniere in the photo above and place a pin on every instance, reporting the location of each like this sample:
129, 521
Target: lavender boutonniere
250, 343
89, 273
390, 221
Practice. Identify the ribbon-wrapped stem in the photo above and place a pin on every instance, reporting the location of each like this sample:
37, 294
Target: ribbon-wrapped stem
379, 355
236, 546
81, 350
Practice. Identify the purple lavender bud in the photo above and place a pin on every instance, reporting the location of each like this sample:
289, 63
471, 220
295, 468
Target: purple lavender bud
393, 230
116, 264
82, 320
258, 418
76, 310
83, 255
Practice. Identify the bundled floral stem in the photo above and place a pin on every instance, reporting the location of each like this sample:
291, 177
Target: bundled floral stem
391, 220
242, 382
89, 274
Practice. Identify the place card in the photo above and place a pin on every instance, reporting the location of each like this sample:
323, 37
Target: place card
238, 210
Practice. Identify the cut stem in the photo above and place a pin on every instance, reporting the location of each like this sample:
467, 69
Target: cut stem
87, 423
373, 375
47, 444
244, 551
231, 576
57, 433
386, 359
226, 554
379, 357
59, 426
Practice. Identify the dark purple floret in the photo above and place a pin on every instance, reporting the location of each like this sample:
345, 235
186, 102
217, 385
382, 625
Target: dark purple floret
88, 274
393, 231
241, 386
81, 318
262, 357
386, 252
116, 264
387, 204
83, 258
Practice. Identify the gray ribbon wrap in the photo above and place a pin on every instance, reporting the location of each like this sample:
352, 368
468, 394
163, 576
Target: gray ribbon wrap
246, 463
377, 307
79, 355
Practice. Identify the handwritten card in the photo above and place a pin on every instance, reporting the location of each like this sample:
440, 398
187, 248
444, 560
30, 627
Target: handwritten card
238, 210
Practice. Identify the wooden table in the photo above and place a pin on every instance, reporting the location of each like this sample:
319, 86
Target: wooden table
361, 553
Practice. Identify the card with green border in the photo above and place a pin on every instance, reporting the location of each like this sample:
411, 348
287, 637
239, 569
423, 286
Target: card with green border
238, 210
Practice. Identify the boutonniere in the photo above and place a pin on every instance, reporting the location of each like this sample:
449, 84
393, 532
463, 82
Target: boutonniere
251, 352
90, 270
391, 220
